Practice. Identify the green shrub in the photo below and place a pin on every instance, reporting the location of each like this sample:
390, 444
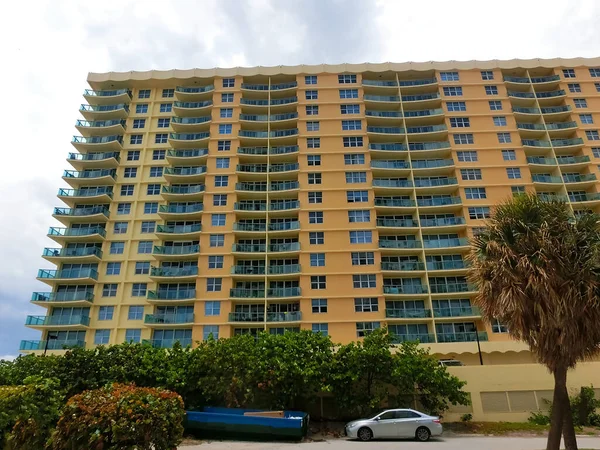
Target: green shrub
120, 417
466, 417
539, 418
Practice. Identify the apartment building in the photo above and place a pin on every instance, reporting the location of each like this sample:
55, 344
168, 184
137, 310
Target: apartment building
337, 199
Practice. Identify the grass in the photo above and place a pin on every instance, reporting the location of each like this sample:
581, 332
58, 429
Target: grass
509, 428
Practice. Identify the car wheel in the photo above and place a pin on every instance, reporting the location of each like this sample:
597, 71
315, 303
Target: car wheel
423, 434
365, 434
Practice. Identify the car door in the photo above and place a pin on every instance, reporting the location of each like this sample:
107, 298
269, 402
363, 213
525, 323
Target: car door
407, 422
385, 427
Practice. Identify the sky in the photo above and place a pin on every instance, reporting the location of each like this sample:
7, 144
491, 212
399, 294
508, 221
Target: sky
48, 47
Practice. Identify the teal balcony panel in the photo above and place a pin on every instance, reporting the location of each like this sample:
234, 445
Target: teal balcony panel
168, 319
176, 250
52, 344
67, 274
179, 229
457, 312
75, 232
462, 337
445, 243
57, 320
72, 252
174, 271
62, 296
393, 313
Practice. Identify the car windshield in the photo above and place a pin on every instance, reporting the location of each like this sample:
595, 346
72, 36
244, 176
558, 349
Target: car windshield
381, 411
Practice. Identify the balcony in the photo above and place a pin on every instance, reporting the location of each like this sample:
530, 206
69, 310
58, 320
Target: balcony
172, 296
187, 140
73, 276
535, 143
80, 298
403, 266
462, 337
291, 316
392, 183
445, 243
567, 143
550, 94
562, 110
53, 344
519, 110
396, 313
469, 311
98, 143
382, 98
391, 147
259, 170
183, 192
277, 135
192, 93
531, 126
588, 197
168, 343
269, 87
399, 244
454, 288
263, 104
99, 177
284, 269
405, 290
188, 156
521, 95
386, 130
434, 96
260, 293
541, 161
187, 273
397, 223
89, 214
573, 161
579, 179
108, 160
181, 211
101, 127
440, 203
422, 114
443, 222
168, 320
555, 128
394, 203
178, 231
87, 234
289, 247
261, 207
442, 184
274, 227
176, 251
45, 322
433, 164
434, 266
545, 179
84, 254
184, 174
277, 189
191, 109
106, 97
104, 112
276, 154
246, 317
429, 149
516, 80
547, 79
187, 124
421, 338
261, 118
102, 194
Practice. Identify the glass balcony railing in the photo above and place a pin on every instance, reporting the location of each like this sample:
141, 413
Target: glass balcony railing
271, 270
387, 114
398, 223
185, 171
93, 156
290, 316
264, 168
461, 311
561, 125
248, 270
535, 143
422, 338
553, 197
420, 97
424, 112
192, 105
266, 118
442, 201
262, 227
168, 343
428, 145
111, 93
247, 317
556, 109
62, 296
195, 89
594, 196
541, 160
72, 252
546, 79
171, 294
538, 178
169, 319
396, 313
87, 174
78, 212
189, 153
382, 98
443, 222
444, 243
67, 274
260, 293
393, 83
52, 344
174, 271
284, 185
179, 229
103, 108
393, 147
406, 83
283, 269
462, 337
189, 136
274, 102
446, 265
181, 209
566, 142
394, 202
426, 129
272, 87
86, 192
516, 79
265, 134
550, 94
522, 110
408, 289
431, 164
380, 83
531, 126
384, 243
579, 178
177, 189
385, 130
75, 232
391, 183
176, 250
57, 320
261, 248
99, 123
96, 139
434, 182
521, 94
403, 266
284, 205
452, 288
264, 151
191, 120
573, 159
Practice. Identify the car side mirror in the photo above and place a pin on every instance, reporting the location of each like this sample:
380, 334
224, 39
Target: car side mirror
376, 418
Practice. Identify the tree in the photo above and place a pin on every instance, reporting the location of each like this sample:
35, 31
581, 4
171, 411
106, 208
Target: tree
537, 270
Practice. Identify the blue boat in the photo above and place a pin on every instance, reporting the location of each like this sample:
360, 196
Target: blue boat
247, 423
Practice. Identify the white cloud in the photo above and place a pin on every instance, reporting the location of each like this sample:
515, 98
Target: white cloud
8, 357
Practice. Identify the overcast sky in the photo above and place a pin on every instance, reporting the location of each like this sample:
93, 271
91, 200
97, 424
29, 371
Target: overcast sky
49, 46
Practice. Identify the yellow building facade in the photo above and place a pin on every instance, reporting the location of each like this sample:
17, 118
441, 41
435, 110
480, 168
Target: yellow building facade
337, 199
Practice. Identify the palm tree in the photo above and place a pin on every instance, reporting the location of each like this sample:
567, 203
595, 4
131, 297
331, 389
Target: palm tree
537, 269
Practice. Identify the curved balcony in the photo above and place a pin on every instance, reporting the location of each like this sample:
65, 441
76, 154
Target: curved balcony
187, 124
168, 320
72, 276
392, 204
193, 93
277, 135
466, 311
260, 207
423, 115
394, 246
445, 243
176, 251
535, 143
52, 322
104, 112
187, 156
420, 338
396, 223
171, 296
566, 144
446, 184
280, 228
252, 317
433, 97
387, 149
106, 97
263, 118
99, 177
280, 249
546, 79
53, 344
444, 266
452, 288
573, 162
261, 169
184, 174
74, 255
445, 223
397, 313
433, 166
277, 189
183, 192
521, 95
543, 97
243, 293
81, 298
251, 87
71, 197
187, 140
381, 98
558, 128
575, 181
101, 127
178, 231
181, 211
98, 143
429, 149
94, 160
592, 198
553, 197
376, 117
396, 131
462, 337
404, 266
393, 184
526, 113
91, 214
531, 129
556, 112
276, 104
287, 269
439, 204
541, 161
162, 274
387, 167
431, 131
168, 343
279, 153
65, 235
416, 290
391, 84
516, 80
192, 109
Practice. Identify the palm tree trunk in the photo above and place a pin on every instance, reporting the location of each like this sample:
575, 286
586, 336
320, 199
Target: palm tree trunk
558, 409
568, 427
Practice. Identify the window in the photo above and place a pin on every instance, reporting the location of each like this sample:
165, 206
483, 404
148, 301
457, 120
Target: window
101, 337
158, 155
353, 141
594, 72
213, 284
491, 90
212, 308
356, 177
315, 217
359, 215
120, 227
153, 189
597, 86
352, 159
129, 172
210, 332
123, 208
592, 135
350, 109
463, 138
314, 178
596, 152
156, 171
145, 247
117, 248
364, 328
467, 156
133, 155
136, 312
215, 262
470, 174
310, 79
499, 121
135, 139
168, 93
509, 155
148, 226
449, 76
513, 173
106, 312
142, 108
225, 128
317, 259
139, 123
456, 106
220, 200
316, 237
487, 75
315, 197
586, 118
347, 79
498, 327
357, 196
223, 146
142, 267
569, 73
362, 258
318, 282
574, 87
109, 290
361, 237
221, 180
312, 95
222, 163
164, 123
150, 207
452, 91
217, 240
138, 289
312, 126
127, 189
322, 328
226, 113
495, 105
475, 193
366, 304
312, 110
313, 160
350, 125
348, 93
227, 98
319, 305
228, 82
133, 335
517, 190
504, 138
459, 122
364, 281
479, 212
313, 142
218, 220
580, 102
144, 93
113, 268
166, 107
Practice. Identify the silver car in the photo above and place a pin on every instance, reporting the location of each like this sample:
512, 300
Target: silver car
395, 423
